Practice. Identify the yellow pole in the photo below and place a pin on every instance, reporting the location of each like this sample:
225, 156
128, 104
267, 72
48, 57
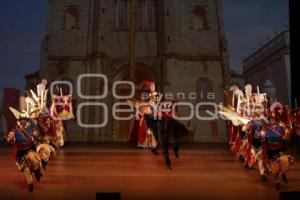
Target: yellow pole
132, 39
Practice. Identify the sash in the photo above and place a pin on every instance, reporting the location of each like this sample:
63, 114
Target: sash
22, 146
29, 142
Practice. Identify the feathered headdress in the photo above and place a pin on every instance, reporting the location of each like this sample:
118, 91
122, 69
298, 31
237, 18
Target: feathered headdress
234, 88
248, 90
150, 86
18, 115
276, 106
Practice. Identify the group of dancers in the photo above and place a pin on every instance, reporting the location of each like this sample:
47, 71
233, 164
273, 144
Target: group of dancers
39, 131
260, 131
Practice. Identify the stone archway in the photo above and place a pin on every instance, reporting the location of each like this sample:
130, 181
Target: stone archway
143, 72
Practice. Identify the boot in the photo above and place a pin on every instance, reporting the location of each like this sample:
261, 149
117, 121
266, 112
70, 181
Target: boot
263, 178
176, 149
154, 151
168, 167
44, 164
267, 171
241, 159
284, 178
30, 187
168, 164
37, 174
246, 166
176, 154
277, 186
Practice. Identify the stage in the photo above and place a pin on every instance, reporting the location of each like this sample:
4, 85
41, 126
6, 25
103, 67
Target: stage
79, 171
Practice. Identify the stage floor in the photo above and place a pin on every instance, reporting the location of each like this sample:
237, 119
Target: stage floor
79, 171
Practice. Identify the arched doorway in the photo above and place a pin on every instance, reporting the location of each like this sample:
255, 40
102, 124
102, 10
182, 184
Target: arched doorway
143, 72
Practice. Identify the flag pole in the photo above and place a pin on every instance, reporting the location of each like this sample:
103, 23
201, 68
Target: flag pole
132, 40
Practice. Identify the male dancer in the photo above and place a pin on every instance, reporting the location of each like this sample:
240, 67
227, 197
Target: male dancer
24, 151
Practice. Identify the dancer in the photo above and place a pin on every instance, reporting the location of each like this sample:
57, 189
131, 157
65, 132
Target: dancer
158, 117
24, 150
142, 131
276, 136
267, 132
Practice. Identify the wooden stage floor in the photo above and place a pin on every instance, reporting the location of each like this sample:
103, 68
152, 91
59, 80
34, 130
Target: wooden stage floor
81, 170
